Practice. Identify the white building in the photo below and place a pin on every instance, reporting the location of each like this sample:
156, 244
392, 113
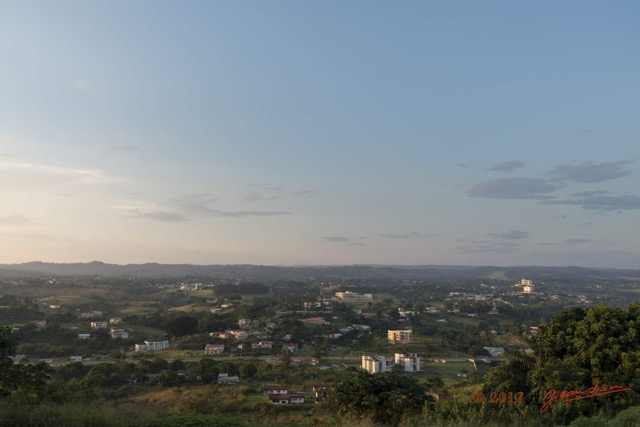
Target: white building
375, 364
99, 325
262, 344
495, 351
410, 362
119, 333
153, 345
228, 379
211, 349
349, 296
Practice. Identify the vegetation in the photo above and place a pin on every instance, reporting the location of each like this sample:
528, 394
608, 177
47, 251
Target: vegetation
575, 349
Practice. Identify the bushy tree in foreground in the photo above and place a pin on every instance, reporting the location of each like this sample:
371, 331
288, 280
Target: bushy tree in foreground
25, 379
386, 398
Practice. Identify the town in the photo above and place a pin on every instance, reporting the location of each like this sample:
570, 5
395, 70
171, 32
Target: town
280, 342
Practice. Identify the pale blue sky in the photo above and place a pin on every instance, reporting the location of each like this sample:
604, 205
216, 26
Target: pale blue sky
326, 132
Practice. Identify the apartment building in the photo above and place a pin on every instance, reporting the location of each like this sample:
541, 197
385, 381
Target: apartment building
401, 335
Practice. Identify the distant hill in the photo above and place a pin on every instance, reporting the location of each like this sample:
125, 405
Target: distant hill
260, 272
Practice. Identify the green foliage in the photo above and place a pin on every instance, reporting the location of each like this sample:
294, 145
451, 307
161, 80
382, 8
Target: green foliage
169, 379
183, 325
8, 344
107, 375
19, 379
512, 375
626, 418
584, 347
385, 398
89, 415
588, 422
193, 421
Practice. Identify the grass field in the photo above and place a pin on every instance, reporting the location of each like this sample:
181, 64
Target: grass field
193, 308
138, 308
71, 299
146, 332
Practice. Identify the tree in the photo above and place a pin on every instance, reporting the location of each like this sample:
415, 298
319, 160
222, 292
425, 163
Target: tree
14, 378
248, 370
168, 379
8, 345
578, 349
183, 325
285, 357
386, 398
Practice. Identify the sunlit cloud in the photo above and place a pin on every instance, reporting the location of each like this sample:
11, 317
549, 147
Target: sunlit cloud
34, 170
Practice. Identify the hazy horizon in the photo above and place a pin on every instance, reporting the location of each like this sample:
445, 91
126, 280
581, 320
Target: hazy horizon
325, 133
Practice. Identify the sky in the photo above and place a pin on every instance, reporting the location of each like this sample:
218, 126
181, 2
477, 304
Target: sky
320, 132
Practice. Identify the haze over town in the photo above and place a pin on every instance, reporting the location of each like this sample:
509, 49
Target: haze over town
293, 133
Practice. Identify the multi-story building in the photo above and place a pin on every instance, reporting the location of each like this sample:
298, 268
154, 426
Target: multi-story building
211, 349
354, 297
409, 362
99, 325
375, 364
286, 399
401, 335
153, 345
275, 389
119, 333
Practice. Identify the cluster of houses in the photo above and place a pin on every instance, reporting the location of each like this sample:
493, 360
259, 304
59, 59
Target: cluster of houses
100, 324
239, 334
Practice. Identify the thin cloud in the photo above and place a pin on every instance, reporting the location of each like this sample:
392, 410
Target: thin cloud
17, 219
602, 201
47, 171
351, 241
567, 242
576, 241
302, 193
268, 187
490, 246
257, 197
514, 188
119, 149
162, 216
242, 214
509, 235
196, 204
411, 235
590, 172
507, 167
